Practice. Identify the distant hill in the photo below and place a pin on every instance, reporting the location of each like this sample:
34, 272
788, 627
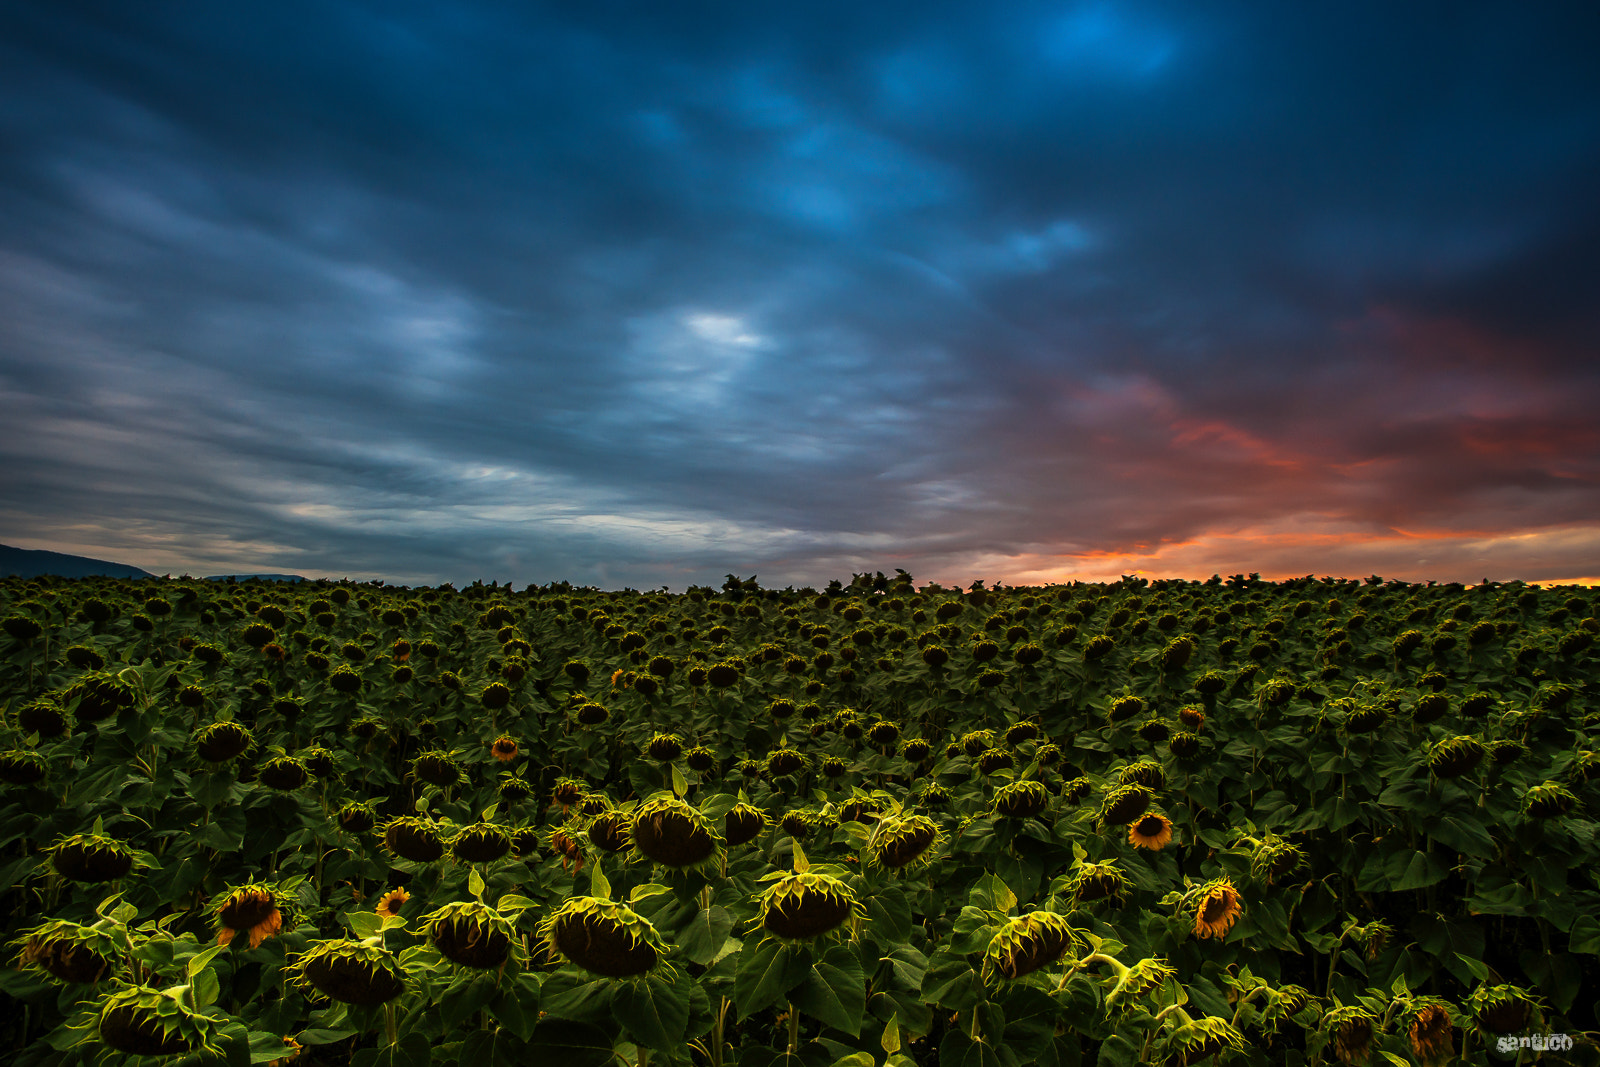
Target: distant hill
32, 563
257, 578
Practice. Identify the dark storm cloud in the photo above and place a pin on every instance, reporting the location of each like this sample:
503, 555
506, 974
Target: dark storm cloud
642, 294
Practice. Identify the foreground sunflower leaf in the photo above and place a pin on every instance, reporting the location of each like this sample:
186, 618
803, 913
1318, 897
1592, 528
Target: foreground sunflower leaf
835, 992
767, 970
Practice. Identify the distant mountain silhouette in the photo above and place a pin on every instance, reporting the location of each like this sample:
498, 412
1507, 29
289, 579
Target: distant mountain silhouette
256, 577
32, 563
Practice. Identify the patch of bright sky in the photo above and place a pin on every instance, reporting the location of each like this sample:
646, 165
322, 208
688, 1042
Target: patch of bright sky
1107, 39
687, 361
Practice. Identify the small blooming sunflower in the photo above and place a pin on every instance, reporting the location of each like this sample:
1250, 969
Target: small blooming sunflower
390, 903
1153, 831
504, 749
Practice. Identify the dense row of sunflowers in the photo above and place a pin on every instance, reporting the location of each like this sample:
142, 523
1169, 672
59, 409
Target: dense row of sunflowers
1308, 822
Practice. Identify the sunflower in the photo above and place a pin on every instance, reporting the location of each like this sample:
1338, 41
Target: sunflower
1028, 943
351, 972
903, 843
602, 937
504, 749
667, 831
68, 952
1131, 983
808, 905
1098, 881
1193, 1040
141, 1021
473, 935
1153, 831
1353, 1030
390, 903
1431, 1034
1216, 910
1503, 1009
256, 909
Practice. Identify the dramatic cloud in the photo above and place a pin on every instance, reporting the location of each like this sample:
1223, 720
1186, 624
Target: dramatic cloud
634, 294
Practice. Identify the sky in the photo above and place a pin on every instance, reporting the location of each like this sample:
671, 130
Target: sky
643, 294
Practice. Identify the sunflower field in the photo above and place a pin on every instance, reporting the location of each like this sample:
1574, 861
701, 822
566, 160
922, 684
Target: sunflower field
877, 825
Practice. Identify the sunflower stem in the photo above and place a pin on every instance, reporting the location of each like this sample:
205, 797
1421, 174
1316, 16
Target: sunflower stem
716, 1033
794, 1031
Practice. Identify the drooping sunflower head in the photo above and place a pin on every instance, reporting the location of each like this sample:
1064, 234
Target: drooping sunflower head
1430, 1031
1365, 718
978, 742
1099, 881
602, 937
1548, 800
473, 935
284, 773
1140, 980
1074, 791
141, 1021
91, 858
1200, 1039
1287, 1002
1154, 731
1124, 804
1503, 1009
1147, 773
410, 837
1028, 943
1216, 909
801, 823
1507, 751
222, 741
1275, 858
675, 834
608, 831
258, 910
436, 768
743, 823
664, 748
68, 952
807, 906
903, 843
566, 792
782, 761
351, 972
22, 766
504, 748
357, 817
1375, 937
1021, 800
480, 843
1585, 766
1151, 831
994, 760
1455, 756
1353, 1030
